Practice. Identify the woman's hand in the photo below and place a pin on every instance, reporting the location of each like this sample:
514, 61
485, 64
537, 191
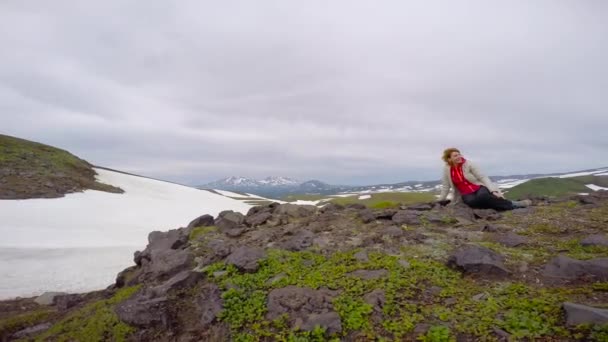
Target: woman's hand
498, 194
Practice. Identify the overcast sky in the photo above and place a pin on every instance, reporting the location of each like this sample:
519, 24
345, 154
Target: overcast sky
348, 92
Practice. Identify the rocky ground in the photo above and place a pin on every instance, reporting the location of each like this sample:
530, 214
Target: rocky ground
299, 273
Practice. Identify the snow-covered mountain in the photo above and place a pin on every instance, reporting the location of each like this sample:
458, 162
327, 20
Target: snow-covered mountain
79, 242
278, 187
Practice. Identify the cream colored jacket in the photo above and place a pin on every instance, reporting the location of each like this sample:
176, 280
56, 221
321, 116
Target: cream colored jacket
472, 174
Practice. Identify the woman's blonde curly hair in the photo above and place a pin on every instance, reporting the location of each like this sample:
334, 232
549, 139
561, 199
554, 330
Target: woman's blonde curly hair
447, 152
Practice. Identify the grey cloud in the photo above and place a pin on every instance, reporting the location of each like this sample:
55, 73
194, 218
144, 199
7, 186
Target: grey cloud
343, 91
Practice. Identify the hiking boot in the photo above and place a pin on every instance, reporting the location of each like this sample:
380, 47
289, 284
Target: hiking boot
522, 204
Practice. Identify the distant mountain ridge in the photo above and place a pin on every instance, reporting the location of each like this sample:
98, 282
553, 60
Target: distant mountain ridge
278, 187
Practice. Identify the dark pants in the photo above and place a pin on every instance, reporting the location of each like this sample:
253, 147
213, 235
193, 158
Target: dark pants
484, 199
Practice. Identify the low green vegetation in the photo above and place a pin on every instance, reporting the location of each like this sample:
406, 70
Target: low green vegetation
198, 232
37, 170
13, 324
94, 322
458, 305
387, 199
555, 187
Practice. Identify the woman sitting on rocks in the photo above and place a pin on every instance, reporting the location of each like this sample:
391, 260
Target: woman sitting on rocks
471, 186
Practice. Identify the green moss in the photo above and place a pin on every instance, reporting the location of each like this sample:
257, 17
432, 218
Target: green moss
384, 205
197, 232
551, 186
577, 251
94, 322
15, 323
522, 310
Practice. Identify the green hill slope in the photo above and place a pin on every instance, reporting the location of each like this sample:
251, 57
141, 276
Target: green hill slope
33, 170
554, 187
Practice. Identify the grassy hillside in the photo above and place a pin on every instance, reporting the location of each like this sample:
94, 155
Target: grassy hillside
555, 187
387, 199
33, 170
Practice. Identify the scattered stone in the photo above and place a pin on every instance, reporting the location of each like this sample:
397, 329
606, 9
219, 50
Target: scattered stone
434, 290
450, 301
36, 329
567, 268
421, 329
487, 214
184, 279
219, 274
304, 306
362, 256
409, 217
258, 219
331, 207
65, 302
595, 240
328, 320
246, 258
392, 232
229, 222
357, 206
202, 221
385, 214
478, 260
368, 274
510, 239
295, 210
48, 298
367, 216
502, 335
300, 241
420, 207
478, 297
404, 263
276, 279
142, 311
376, 298
210, 303
577, 314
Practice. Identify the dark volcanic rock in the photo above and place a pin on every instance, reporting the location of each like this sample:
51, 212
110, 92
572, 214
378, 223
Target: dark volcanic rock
356, 206
478, 260
385, 214
510, 239
246, 258
328, 320
210, 303
392, 232
230, 223
377, 299
367, 216
421, 207
487, 214
305, 307
300, 241
368, 274
202, 221
295, 211
595, 240
567, 268
407, 217
331, 207
36, 329
257, 219
181, 280
577, 314
68, 301
144, 312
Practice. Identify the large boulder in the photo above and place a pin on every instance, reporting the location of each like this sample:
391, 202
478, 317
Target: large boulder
367, 216
230, 223
564, 267
304, 307
577, 314
184, 279
258, 218
478, 260
246, 258
48, 298
202, 221
145, 312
